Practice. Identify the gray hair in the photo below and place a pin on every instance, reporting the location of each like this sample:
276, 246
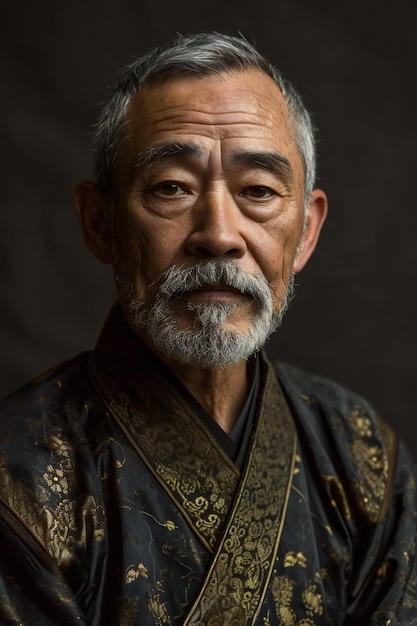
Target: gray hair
198, 55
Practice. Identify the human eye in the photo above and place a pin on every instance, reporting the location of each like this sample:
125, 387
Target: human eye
169, 188
166, 197
258, 192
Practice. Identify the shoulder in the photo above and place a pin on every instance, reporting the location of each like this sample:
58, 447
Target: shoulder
342, 436
49, 402
308, 386
44, 452
55, 382
326, 403
52, 403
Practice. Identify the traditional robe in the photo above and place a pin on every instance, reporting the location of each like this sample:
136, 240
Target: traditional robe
118, 506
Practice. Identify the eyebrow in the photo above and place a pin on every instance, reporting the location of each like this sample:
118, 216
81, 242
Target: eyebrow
270, 161
149, 156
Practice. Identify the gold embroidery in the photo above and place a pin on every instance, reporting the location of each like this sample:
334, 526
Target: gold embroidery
169, 524
361, 424
159, 611
63, 530
238, 578
372, 462
55, 479
312, 600
292, 558
202, 486
286, 615
58, 444
132, 573
283, 591
321, 575
52, 520
61, 527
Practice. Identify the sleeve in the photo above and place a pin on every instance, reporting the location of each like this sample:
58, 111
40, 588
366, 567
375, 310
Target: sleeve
33, 591
385, 590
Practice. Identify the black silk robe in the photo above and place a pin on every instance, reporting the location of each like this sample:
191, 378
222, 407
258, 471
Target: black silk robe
118, 507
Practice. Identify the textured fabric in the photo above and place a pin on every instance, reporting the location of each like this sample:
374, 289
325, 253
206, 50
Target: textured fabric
117, 505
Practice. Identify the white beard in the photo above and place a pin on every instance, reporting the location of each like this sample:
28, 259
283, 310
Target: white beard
207, 343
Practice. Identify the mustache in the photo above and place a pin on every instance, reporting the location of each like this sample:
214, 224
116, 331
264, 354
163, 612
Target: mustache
178, 280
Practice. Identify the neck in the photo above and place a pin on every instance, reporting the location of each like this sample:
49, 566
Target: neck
221, 391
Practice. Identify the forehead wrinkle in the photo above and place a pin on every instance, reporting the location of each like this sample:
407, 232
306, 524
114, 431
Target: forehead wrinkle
214, 106
209, 116
212, 120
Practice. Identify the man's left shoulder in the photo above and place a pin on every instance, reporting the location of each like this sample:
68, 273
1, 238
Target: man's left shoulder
343, 436
337, 413
315, 389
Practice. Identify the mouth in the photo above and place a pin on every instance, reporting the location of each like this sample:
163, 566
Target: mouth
215, 293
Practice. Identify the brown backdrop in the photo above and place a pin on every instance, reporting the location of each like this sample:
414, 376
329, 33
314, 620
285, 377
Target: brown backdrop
354, 317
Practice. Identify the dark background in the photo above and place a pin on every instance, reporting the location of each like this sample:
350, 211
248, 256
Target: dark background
354, 316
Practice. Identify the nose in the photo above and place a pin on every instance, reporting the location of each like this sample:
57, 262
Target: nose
217, 227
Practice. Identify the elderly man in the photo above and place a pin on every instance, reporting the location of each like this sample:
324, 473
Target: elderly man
173, 475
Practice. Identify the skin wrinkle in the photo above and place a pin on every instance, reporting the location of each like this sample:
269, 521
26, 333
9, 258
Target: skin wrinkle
201, 120
203, 131
215, 186
195, 58
216, 213
199, 114
202, 114
269, 161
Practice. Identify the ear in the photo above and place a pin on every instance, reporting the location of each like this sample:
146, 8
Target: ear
92, 207
315, 220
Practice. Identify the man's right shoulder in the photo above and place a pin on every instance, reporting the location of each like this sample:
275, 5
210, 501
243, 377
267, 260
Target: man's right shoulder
42, 404
47, 428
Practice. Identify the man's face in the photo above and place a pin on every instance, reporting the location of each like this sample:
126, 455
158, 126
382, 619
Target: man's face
210, 173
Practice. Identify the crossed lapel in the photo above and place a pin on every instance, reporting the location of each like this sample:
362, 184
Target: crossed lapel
238, 578
238, 519
164, 430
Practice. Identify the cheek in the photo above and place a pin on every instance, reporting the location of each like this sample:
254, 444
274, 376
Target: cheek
276, 259
129, 260
278, 249
146, 251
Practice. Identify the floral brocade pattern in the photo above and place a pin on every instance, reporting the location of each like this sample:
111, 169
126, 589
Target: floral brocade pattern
54, 517
201, 488
122, 516
240, 573
283, 590
373, 466
202, 485
206, 487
